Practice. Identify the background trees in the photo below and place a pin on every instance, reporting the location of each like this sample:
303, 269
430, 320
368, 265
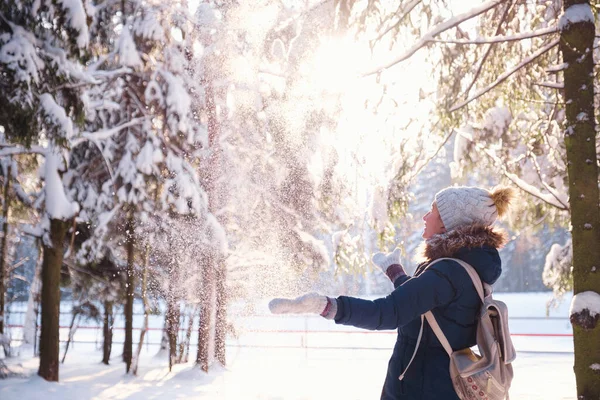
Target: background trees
191, 156
42, 82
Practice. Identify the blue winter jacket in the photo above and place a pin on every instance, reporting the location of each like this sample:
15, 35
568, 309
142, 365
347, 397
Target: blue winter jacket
447, 290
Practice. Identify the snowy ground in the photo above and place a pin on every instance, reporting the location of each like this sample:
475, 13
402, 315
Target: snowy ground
314, 361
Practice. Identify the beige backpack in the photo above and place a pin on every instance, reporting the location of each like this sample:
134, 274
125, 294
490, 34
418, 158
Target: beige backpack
487, 375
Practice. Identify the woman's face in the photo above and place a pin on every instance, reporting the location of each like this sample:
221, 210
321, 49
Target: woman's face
433, 223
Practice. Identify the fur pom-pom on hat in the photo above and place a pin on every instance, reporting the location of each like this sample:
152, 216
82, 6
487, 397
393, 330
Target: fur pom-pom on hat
502, 196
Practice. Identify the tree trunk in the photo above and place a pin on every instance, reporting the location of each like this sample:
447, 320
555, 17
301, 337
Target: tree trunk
49, 338
221, 322
146, 308
172, 329
4, 245
181, 344
33, 304
173, 314
72, 329
107, 331
206, 303
210, 264
577, 43
129, 292
164, 340
185, 347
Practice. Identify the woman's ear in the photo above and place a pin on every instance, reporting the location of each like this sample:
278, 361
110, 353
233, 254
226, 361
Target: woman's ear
442, 226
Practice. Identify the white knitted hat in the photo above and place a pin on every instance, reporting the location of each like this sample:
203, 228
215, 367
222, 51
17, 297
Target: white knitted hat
464, 205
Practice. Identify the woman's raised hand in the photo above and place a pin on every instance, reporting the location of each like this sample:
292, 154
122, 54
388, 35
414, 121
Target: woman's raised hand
390, 264
383, 260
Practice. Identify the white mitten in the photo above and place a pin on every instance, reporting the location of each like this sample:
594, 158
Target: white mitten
385, 261
311, 303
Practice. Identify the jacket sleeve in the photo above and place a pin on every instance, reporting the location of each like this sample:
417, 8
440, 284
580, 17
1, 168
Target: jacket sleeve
437, 286
400, 280
403, 278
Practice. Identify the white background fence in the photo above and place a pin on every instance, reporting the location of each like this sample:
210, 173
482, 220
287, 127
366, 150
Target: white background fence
532, 330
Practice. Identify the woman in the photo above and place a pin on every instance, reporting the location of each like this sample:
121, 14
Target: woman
459, 225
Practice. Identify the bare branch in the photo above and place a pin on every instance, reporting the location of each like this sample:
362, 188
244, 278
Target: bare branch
18, 264
405, 12
19, 277
501, 39
442, 144
549, 188
533, 100
563, 200
489, 49
551, 85
520, 183
136, 98
72, 266
557, 68
508, 73
112, 73
71, 85
444, 26
15, 150
106, 162
106, 133
551, 119
533, 191
272, 73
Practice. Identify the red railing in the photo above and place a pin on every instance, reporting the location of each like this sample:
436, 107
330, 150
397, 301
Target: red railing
365, 332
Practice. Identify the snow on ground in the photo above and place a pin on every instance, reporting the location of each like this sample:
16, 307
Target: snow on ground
259, 374
291, 366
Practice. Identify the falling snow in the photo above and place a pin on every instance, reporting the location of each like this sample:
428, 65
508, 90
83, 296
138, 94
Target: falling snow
229, 152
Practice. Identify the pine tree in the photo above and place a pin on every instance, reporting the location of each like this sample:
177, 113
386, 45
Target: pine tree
42, 80
153, 141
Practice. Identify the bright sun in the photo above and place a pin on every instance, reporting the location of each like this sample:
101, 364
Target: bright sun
336, 64
368, 132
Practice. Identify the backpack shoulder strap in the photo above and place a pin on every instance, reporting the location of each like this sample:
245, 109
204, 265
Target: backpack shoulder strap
421, 332
438, 332
483, 289
415, 352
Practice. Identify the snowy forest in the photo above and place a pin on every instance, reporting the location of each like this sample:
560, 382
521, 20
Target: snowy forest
185, 159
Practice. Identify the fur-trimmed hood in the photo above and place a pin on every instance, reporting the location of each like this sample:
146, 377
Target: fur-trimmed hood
476, 244
471, 236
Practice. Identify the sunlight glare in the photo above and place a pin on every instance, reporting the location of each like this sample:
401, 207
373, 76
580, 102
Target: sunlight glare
369, 131
336, 64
